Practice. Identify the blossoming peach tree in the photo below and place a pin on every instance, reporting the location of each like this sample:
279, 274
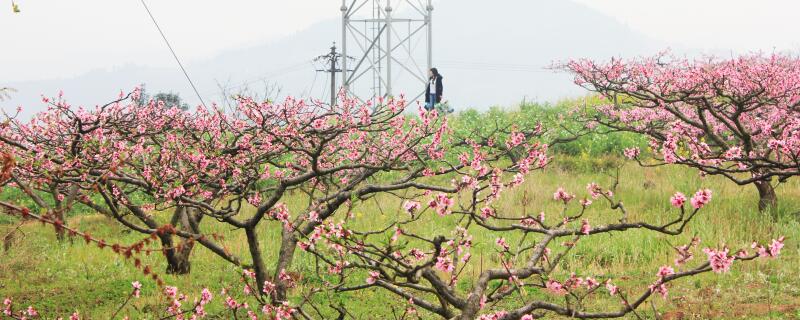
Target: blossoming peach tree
131, 162
436, 272
738, 118
239, 167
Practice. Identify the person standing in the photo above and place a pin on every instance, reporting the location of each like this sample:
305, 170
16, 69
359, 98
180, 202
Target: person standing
433, 91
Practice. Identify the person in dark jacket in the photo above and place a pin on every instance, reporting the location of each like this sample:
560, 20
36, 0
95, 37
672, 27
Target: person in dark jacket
433, 91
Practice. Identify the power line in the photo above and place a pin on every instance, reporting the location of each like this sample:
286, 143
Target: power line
313, 83
494, 66
271, 74
173, 53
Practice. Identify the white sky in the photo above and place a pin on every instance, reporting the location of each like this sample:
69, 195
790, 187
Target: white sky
58, 39
723, 25
62, 38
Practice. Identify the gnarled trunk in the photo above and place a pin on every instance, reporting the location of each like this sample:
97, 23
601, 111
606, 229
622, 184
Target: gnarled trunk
58, 215
285, 256
178, 255
178, 259
767, 199
255, 254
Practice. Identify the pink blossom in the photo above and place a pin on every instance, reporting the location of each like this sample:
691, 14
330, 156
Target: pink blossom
494, 316
612, 289
665, 271
677, 200
631, 153
170, 291
417, 254
248, 274
555, 287
733, 153
585, 227
562, 195
303, 245
660, 289
286, 278
205, 296
591, 283
7, 306
528, 222
269, 287
501, 242
411, 206
444, 264
487, 212
137, 286
516, 139
775, 247
373, 277
701, 198
719, 260
32, 312
684, 252
232, 304
441, 204
594, 190
518, 179
254, 199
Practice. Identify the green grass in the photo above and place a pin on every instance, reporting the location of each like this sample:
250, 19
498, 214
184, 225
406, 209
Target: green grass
60, 277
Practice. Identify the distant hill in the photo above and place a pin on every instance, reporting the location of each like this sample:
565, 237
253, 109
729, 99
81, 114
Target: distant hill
490, 52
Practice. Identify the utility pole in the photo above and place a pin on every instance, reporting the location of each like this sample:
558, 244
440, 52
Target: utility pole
331, 59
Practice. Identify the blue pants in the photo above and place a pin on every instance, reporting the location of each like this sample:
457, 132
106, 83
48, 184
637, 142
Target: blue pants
431, 102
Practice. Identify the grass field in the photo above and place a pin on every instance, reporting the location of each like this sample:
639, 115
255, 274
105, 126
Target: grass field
59, 277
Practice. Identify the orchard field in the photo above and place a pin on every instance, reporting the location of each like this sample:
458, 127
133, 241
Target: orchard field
53, 275
669, 193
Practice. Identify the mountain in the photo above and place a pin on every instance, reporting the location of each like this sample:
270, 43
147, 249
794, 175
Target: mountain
490, 53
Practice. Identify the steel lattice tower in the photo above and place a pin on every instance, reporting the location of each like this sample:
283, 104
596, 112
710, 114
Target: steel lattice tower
384, 36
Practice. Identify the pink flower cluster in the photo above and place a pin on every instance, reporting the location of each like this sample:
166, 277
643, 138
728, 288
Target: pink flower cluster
631, 153
501, 242
585, 227
373, 277
442, 204
701, 198
572, 283
677, 200
137, 288
773, 250
719, 260
411, 206
561, 195
660, 286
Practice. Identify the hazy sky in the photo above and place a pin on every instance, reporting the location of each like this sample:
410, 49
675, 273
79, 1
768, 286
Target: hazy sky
58, 39
721, 25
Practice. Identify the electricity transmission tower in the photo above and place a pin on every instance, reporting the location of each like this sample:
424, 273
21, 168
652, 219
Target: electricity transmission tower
385, 36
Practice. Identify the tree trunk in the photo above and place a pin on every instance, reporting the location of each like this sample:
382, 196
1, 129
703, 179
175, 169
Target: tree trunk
255, 254
60, 232
178, 259
767, 199
178, 256
285, 256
